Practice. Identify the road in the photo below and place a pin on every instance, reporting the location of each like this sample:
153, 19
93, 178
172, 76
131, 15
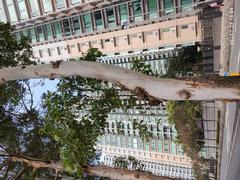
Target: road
235, 50
230, 159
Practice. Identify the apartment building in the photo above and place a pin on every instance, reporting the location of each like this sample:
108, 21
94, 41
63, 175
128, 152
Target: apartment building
161, 155
70, 27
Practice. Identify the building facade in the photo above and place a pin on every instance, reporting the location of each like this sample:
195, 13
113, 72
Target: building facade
71, 27
161, 155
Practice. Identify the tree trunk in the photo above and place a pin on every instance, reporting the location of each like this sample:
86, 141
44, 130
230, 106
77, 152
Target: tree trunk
142, 85
122, 174
103, 171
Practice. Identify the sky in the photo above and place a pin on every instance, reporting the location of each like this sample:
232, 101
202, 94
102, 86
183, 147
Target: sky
38, 90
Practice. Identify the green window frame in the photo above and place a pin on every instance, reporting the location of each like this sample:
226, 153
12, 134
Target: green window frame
47, 5
57, 29
98, 20
160, 146
60, 4
137, 10
153, 145
123, 12
186, 5
75, 1
166, 147
152, 6
22, 9
147, 146
173, 148
87, 22
66, 27
32, 35
110, 17
168, 6
76, 25
40, 34
47, 28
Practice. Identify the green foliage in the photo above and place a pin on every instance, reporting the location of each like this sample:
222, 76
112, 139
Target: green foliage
185, 115
13, 52
91, 55
143, 129
184, 61
127, 162
140, 66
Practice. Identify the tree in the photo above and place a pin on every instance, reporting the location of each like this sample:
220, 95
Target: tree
183, 62
72, 141
50, 141
201, 88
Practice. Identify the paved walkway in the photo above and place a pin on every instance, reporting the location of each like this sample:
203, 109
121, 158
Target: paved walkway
226, 37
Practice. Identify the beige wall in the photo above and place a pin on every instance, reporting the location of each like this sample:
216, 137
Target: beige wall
147, 155
138, 38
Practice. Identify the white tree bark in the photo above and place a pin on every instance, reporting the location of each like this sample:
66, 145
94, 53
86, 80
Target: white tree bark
100, 170
167, 89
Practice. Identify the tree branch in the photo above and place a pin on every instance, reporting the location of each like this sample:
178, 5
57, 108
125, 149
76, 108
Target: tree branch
4, 163
159, 88
20, 173
56, 174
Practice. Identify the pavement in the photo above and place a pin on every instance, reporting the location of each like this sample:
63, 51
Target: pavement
235, 49
230, 38
230, 159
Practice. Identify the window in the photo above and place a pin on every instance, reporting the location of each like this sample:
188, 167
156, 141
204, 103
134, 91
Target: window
168, 6
180, 150
123, 12
2, 12
147, 146
135, 143
47, 5
152, 8
22, 9
173, 148
184, 26
48, 31
87, 22
75, 1
34, 8
165, 29
166, 147
159, 146
66, 27
60, 4
186, 5
76, 25
123, 142
40, 34
11, 10
110, 17
137, 10
32, 35
118, 141
57, 29
98, 20
153, 146
129, 144
107, 140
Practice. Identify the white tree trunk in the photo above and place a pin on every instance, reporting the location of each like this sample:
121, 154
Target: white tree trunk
100, 170
167, 89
